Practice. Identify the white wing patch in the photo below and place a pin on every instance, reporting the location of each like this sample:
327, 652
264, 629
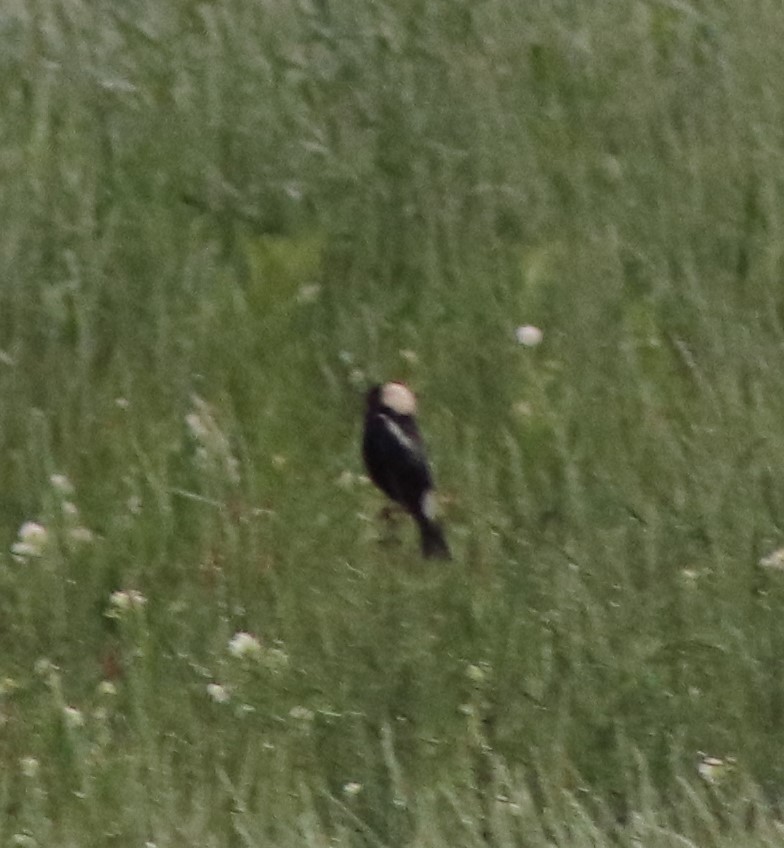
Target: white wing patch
397, 431
398, 398
430, 505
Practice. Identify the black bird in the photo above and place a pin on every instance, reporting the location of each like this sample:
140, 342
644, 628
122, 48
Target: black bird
396, 461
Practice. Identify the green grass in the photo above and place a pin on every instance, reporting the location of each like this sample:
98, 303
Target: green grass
247, 212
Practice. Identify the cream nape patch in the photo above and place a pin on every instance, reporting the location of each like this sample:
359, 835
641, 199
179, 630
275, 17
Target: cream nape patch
399, 398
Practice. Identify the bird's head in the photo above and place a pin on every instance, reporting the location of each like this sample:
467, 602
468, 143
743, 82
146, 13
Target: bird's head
396, 397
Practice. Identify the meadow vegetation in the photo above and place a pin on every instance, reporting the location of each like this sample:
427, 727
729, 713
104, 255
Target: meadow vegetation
220, 221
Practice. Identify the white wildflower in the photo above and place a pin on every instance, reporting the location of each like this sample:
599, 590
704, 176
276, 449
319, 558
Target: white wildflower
8, 685
199, 429
346, 479
477, 673
33, 539
243, 645
70, 509
214, 450
690, 576
714, 769
302, 714
61, 484
44, 667
528, 335
81, 535
29, 766
774, 560
308, 293
73, 718
352, 788
124, 600
612, 168
219, 694
356, 377
275, 659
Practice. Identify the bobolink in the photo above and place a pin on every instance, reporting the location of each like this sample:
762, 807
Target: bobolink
396, 462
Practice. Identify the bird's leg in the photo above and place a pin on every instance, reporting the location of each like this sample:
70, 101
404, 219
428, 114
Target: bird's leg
391, 513
390, 517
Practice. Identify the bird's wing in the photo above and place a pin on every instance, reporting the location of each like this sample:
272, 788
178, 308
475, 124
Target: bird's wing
396, 460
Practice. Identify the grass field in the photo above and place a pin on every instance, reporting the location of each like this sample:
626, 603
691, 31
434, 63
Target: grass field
219, 223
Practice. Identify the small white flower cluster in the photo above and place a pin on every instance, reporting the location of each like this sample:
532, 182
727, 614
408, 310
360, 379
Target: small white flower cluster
773, 561
275, 659
107, 689
123, 601
245, 646
46, 669
81, 535
32, 541
356, 376
213, 451
76, 533
73, 718
29, 766
478, 673
302, 714
714, 770
309, 293
218, 694
62, 485
529, 336
8, 685
349, 480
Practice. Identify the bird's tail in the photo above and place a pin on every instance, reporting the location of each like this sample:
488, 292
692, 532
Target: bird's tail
434, 544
